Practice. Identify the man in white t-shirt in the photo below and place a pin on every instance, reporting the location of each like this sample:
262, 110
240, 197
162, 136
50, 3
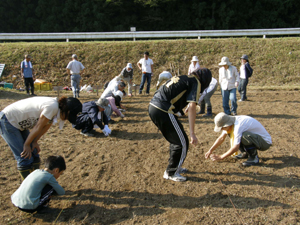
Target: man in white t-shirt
246, 134
146, 66
74, 68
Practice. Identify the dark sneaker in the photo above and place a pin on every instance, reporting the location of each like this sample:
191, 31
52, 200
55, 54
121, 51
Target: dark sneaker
242, 155
252, 160
33, 94
111, 121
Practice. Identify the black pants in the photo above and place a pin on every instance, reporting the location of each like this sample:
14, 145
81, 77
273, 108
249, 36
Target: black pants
44, 199
29, 81
174, 133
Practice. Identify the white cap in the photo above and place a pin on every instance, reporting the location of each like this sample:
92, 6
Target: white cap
195, 59
118, 93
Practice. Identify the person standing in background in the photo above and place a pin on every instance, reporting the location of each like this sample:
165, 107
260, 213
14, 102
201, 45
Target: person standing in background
194, 65
27, 74
245, 72
146, 66
229, 81
74, 67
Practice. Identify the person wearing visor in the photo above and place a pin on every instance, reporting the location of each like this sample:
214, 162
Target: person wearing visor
168, 100
246, 134
36, 114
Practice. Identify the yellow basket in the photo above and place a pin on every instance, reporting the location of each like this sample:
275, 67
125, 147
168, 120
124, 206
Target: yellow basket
37, 86
45, 87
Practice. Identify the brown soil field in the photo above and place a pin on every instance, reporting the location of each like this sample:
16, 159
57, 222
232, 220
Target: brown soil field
119, 179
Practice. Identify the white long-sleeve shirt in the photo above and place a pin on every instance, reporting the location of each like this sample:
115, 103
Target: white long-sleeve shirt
227, 78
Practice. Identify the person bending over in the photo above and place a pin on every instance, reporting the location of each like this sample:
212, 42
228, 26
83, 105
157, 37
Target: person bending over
246, 134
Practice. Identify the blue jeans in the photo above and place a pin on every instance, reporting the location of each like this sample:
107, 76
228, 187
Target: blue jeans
75, 81
243, 88
15, 140
145, 76
226, 96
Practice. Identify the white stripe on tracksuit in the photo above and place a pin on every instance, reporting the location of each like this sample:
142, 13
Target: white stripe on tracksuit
182, 140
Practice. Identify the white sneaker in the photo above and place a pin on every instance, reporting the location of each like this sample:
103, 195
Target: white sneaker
182, 170
87, 134
176, 177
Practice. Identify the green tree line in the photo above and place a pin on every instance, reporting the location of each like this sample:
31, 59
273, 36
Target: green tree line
24, 16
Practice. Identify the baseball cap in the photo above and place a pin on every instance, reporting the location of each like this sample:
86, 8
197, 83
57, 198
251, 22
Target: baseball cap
244, 57
103, 103
129, 65
27, 57
223, 120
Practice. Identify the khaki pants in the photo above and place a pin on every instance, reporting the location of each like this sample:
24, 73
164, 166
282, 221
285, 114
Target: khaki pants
249, 139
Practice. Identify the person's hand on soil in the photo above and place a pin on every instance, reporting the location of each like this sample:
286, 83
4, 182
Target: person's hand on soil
207, 154
214, 157
194, 140
26, 152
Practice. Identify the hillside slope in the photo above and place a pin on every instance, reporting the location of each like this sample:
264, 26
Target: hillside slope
275, 61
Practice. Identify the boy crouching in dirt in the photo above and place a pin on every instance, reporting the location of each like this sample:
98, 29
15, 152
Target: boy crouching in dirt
93, 116
246, 134
36, 190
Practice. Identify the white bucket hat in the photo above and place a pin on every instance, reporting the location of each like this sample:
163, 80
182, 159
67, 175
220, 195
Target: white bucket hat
223, 120
118, 93
195, 59
224, 61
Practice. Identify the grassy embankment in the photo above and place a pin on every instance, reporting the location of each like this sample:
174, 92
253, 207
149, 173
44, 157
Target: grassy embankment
275, 61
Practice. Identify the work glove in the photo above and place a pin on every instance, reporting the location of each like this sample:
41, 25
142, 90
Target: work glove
107, 130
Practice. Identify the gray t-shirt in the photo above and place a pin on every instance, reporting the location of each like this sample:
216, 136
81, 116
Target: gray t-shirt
75, 66
28, 195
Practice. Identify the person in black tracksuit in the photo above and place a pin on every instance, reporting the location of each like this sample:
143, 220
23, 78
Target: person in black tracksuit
169, 99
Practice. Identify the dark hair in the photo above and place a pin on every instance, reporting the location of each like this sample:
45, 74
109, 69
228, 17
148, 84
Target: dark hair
204, 76
74, 107
122, 84
62, 105
146, 53
53, 162
117, 100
